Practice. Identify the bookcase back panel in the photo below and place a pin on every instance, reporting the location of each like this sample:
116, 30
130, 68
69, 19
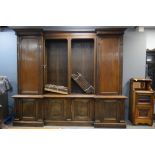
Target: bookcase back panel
108, 65
82, 61
57, 62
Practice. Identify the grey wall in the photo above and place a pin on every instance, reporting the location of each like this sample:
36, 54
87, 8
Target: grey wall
134, 54
8, 60
150, 38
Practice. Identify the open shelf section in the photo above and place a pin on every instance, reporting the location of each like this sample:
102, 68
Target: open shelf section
82, 61
57, 70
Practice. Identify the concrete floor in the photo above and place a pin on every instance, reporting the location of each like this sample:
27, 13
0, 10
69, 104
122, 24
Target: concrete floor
129, 126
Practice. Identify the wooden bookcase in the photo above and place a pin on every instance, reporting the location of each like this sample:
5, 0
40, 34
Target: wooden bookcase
141, 105
49, 57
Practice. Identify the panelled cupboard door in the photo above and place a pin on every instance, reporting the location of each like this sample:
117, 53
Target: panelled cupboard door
30, 64
82, 109
55, 109
109, 111
109, 65
28, 110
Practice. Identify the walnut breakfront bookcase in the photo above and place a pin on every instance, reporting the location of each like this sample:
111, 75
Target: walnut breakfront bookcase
52, 57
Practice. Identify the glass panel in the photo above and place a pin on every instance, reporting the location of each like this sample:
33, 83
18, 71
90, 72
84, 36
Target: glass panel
144, 99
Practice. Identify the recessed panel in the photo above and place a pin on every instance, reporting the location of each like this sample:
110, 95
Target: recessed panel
108, 66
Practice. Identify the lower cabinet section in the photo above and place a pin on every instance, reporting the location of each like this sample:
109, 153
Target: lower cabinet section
70, 111
82, 110
109, 113
28, 112
141, 108
55, 109
144, 115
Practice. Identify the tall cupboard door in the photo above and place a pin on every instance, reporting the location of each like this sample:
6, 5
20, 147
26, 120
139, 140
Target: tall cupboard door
30, 64
109, 68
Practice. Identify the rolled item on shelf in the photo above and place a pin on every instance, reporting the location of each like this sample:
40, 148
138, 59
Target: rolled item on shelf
56, 89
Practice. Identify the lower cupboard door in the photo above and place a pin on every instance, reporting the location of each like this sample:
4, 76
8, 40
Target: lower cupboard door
82, 110
109, 111
27, 109
55, 109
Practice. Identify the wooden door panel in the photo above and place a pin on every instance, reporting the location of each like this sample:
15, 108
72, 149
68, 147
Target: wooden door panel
28, 110
30, 62
28, 107
55, 109
144, 112
108, 65
82, 109
109, 111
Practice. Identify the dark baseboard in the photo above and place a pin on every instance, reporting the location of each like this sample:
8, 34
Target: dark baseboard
28, 123
110, 125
